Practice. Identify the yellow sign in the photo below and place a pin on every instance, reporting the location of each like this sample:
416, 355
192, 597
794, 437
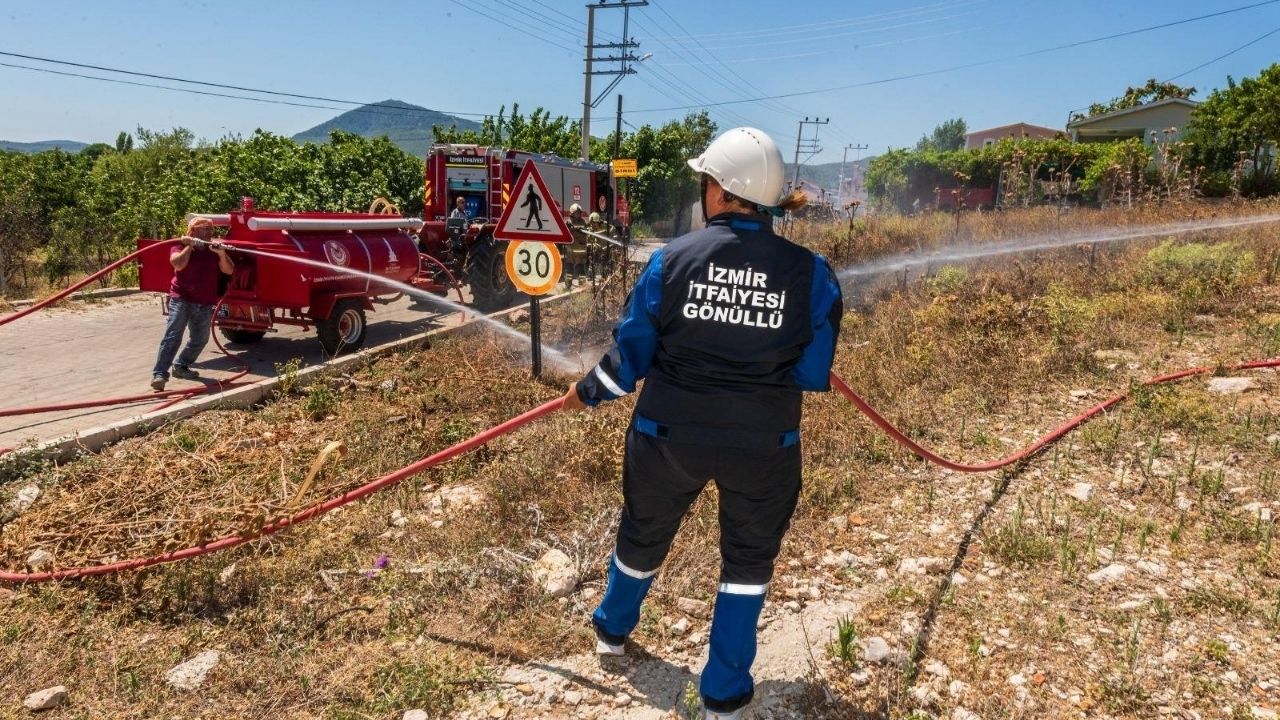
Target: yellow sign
624, 167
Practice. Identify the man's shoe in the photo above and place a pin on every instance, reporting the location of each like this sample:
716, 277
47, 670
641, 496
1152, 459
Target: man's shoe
606, 649
610, 646
157, 382
185, 373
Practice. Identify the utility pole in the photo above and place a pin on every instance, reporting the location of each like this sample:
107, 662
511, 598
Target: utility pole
843, 160
809, 145
624, 58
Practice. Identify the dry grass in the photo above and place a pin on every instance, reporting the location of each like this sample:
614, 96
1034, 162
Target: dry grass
972, 361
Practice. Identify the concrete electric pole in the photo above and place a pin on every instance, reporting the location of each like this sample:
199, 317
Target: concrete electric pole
843, 160
624, 58
809, 145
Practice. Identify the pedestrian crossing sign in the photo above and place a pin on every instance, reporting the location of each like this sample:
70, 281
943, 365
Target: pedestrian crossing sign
532, 213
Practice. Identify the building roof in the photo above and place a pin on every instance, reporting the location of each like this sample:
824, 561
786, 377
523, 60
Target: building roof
1135, 109
1012, 125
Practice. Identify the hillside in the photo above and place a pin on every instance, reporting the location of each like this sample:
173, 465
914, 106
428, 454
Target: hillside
827, 174
70, 146
408, 126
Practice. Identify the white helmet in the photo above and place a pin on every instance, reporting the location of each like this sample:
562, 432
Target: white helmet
747, 163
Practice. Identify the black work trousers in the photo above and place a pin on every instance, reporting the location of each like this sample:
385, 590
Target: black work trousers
758, 489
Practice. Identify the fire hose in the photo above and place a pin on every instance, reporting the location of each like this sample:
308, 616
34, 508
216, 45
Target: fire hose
485, 436
547, 408
172, 396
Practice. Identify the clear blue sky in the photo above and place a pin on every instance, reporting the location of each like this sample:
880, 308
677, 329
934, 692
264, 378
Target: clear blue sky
444, 54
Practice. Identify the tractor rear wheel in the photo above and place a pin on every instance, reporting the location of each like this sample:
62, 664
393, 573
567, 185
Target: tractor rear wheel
486, 273
240, 336
345, 328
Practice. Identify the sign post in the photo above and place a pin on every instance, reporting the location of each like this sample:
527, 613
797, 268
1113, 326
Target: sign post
532, 225
625, 168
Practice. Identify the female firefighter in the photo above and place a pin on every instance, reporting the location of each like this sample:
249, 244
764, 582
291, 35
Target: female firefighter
727, 325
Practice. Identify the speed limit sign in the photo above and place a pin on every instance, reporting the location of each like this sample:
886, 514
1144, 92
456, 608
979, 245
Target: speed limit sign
534, 267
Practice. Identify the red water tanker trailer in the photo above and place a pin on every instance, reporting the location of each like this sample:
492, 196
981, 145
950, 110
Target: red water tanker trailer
272, 289
482, 177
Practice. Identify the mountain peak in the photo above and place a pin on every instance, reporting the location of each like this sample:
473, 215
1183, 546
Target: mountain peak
406, 124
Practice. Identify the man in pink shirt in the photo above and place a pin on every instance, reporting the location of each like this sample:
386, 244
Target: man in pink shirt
197, 263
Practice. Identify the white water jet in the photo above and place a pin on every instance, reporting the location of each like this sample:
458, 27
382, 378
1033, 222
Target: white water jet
904, 261
561, 361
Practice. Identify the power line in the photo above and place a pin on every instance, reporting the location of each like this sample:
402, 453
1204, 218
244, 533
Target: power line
190, 91
828, 24
812, 38
523, 31
1224, 56
967, 66
203, 83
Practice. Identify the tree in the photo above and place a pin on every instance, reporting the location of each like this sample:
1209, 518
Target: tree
1236, 130
947, 136
1152, 91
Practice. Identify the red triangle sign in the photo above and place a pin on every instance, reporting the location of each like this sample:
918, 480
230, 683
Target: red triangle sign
532, 213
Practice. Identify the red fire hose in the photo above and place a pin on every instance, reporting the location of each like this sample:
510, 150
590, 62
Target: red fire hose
1035, 447
310, 513
64, 293
547, 408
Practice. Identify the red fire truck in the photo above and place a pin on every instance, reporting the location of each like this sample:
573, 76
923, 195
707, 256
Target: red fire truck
483, 176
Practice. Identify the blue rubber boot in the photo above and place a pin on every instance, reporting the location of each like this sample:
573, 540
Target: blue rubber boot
726, 680
619, 610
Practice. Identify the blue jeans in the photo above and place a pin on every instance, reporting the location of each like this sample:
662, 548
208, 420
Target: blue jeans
183, 315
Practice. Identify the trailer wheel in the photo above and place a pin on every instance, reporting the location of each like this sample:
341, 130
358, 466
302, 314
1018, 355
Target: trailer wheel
345, 328
486, 272
241, 336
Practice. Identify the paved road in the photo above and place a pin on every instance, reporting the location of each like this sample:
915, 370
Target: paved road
106, 349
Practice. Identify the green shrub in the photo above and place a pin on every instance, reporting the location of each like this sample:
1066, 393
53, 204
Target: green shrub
1196, 271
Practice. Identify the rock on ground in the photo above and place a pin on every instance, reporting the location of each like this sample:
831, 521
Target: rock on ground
555, 574
191, 674
1231, 385
694, 608
1081, 491
25, 498
1111, 573
46, 699
415, 715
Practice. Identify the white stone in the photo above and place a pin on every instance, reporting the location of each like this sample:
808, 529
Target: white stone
935, 667
921, 566
621, 700
46, 699
957, 688
415, 715
1111, 573
555, 574
39, 559
860, 677
227, 573
398, 519
1231, 676
957, 579
840, 522
1081, 491
680, 626
1017, 680
190, 675
1231, 385
962, 714
1261, 713
572, 698
875, 649
694, 608
1152, 568
24, 499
